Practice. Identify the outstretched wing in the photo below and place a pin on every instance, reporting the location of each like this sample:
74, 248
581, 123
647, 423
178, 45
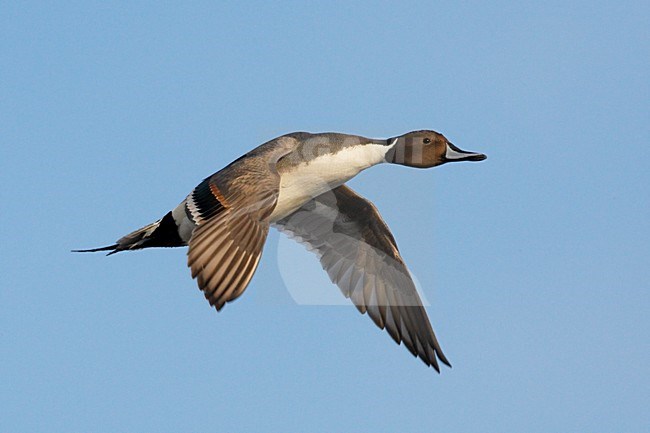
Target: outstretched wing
231, 210
358, 251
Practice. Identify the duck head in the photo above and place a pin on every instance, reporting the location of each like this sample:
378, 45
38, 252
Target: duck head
423, 149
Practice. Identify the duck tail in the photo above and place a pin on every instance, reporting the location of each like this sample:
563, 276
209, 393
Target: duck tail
162, 233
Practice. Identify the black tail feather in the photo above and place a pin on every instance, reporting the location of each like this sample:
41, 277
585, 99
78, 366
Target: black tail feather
112, 248
162, 233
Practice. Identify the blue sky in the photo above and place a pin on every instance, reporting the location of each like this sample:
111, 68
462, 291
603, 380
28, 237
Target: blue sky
535, 262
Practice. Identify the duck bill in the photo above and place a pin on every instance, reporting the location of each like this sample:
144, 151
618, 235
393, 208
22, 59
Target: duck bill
455, 154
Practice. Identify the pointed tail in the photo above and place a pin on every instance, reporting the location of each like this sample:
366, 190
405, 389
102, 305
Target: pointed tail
162, 233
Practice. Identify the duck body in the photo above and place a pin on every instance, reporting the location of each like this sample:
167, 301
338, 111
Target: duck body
296, 183
321, 163
307, 164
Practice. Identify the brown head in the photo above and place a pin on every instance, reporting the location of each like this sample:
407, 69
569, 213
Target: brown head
423, 149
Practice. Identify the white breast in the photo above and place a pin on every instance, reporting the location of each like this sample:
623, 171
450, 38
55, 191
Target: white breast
310, 179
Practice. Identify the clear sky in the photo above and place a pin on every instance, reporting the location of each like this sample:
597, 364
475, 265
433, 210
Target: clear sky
535, 261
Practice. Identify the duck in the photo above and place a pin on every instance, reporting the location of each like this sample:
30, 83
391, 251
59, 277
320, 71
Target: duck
296, 183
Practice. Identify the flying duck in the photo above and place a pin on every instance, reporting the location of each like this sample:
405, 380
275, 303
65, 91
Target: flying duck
296, 183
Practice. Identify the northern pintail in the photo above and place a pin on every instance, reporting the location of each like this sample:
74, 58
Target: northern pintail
296, 183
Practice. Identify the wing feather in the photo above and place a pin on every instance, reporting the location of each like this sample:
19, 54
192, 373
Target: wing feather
359, 253
231, 211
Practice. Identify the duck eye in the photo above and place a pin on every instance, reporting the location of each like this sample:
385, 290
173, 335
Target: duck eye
427, 140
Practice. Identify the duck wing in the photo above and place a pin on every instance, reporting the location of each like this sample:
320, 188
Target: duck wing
231, 209
359, 253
